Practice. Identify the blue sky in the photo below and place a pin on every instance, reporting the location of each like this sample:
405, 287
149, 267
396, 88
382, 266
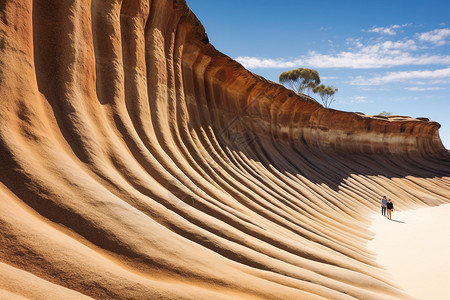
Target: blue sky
383, 56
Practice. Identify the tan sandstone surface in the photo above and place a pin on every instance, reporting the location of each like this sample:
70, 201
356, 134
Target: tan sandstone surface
138, 162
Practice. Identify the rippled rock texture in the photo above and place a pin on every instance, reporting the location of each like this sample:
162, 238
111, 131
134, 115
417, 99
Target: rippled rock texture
138, 162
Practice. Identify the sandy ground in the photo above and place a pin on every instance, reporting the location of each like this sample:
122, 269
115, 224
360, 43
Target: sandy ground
415, 249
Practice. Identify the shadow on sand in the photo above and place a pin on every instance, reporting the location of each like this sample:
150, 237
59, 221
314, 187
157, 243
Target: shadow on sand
398, 221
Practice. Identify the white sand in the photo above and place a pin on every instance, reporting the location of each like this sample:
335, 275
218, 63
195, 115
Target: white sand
415, 249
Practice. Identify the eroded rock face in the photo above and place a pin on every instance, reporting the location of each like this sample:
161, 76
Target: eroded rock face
137, 162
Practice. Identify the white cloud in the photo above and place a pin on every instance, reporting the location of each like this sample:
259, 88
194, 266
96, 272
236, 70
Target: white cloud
356, 42
391, 30
384, 55
374, 55
268, 63
359, 99
423, 89
354, 100
439, 74
437, 36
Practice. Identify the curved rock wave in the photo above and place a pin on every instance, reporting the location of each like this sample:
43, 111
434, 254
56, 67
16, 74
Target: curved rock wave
138, 162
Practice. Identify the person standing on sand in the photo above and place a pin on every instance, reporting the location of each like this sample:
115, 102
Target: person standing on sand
383, 206
390, 208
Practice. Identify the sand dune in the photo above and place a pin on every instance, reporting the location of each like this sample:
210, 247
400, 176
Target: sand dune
138, 162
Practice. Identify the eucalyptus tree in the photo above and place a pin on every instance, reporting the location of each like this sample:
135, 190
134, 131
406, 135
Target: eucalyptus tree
326, 93
300, 80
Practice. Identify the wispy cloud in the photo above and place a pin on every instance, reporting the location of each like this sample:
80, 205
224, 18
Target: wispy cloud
383, 55
440, 74
268, 63
377, 54
359, 99
424, 89
391, 30
354, 100
437, 36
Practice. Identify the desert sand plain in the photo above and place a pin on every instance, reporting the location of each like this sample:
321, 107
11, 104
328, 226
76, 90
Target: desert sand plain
414, 248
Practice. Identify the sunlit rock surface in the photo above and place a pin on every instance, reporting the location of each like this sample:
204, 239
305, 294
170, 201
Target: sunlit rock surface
138, 162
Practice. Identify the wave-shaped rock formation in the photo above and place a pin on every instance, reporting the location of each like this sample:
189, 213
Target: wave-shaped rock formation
138, 162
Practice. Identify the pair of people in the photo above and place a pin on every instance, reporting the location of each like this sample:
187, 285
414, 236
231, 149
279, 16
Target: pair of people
387, 207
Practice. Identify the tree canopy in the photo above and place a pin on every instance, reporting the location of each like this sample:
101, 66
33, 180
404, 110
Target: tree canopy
326, 93
308, 80
301, 79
